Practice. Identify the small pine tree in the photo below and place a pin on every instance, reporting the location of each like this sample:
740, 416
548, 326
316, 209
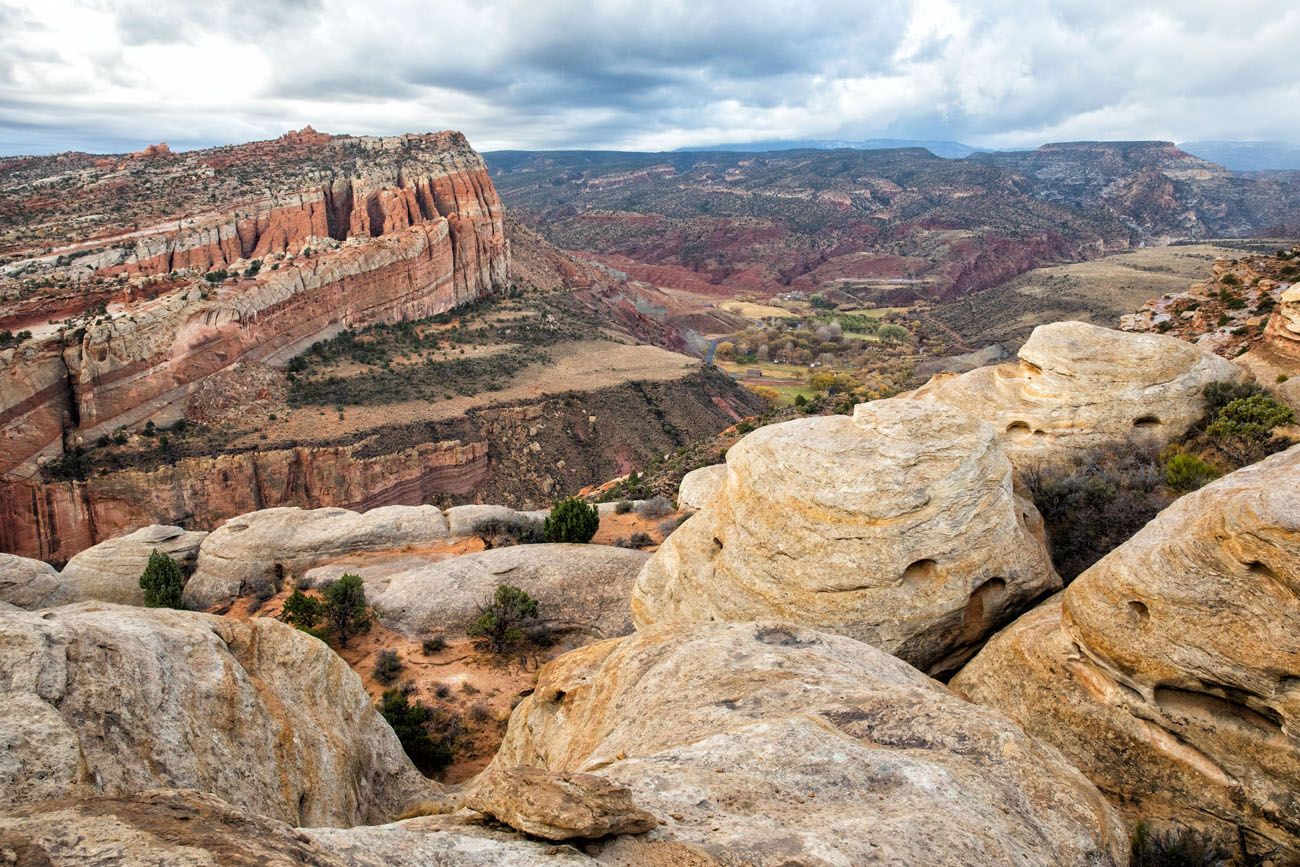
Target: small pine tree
410, 722
571, 520
302, 611
501, 622
345, 607
162, 582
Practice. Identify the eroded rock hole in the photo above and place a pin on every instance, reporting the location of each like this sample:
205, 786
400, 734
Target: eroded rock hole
922, 573
1216, 710
1138, 613
982, 608
1146, 421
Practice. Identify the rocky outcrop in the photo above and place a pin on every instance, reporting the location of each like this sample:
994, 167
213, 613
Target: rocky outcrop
184, 828
768, 743
110, 571
27, 583
111, 700
1283, 332
580, 588
1169, 671
557, 805
1078, 387
699, 487
262, 549
899, 527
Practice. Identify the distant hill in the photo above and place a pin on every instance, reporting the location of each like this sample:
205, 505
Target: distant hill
1248, 156
952, 150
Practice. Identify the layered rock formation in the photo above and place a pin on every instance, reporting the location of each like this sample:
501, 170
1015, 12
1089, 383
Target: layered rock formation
262, 549
899, 527
767, 744
1077, 387
110, 571
582, 588
109, 700
1169, 672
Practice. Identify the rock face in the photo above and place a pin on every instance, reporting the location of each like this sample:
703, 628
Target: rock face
104, 699
899, 527
1169, 672
699, 487
767, 743
184, 828
557, 805
262, 549
582, 588
1283, 332
27, 583
1077, 387
110, 571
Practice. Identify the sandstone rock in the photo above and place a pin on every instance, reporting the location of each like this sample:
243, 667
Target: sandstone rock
699, 487
261, 549
107, 699
184, 828
110, 571
767, 743
583, 588
1078, 386
899, 527
1169, 672
27, 583
1283, 332
557, 805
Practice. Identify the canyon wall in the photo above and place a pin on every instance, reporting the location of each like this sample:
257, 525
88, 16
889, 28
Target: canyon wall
356, 231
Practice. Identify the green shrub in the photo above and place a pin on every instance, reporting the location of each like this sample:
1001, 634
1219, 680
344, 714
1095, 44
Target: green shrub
345, 607
388, 665
640, 540
302, 611
162, 582
571, 520
655, 507
1181, 848
501, 621
622, 507
1243, 430
504, 532
1186, 472
410, 722
433, 644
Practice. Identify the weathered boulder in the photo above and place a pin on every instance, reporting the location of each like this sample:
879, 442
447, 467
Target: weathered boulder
768, 743
583, 588
262, 548
185, 828
27, 583
1169, 672
699, 487
110, 571
107, 699
899, 527
1077, 387
557, 805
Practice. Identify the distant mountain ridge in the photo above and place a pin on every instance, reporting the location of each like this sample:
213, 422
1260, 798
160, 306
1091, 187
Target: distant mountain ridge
945, 149
1248, 156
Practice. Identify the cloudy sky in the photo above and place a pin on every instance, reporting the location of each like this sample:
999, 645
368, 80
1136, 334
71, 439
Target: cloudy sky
112, 75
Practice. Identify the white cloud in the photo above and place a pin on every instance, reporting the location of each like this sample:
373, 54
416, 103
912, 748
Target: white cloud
116, 74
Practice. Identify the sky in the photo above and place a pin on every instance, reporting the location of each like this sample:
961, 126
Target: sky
115, 75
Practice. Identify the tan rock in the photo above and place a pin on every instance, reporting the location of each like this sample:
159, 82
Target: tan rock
1169, 672
699, 487
899, 527
107, 699
262, 549
768, 743
1077, 387
580, 588
557, 805
184, 828
110, 571
27, 583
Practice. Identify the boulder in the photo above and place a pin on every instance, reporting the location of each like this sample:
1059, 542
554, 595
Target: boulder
259, 550
583, 588
899, 527
110, 571
107, 699
699, 487
27, 583
185, 828
1169, 672
557, 805
1078, 387
772, 744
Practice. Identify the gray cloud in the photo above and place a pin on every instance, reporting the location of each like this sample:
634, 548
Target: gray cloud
117, 74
